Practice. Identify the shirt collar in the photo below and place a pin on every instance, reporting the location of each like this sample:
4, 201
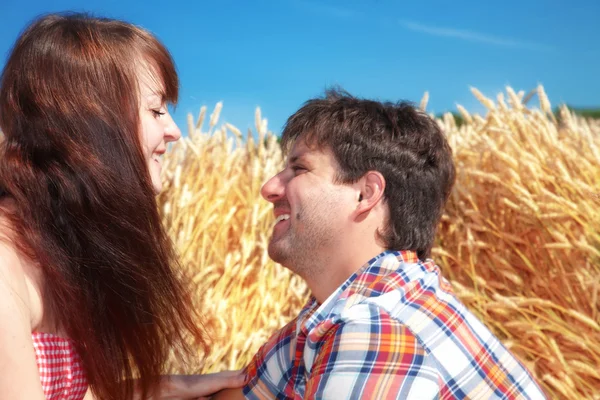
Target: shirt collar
383, 264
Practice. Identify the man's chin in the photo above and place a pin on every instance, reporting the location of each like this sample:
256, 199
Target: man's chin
277, 253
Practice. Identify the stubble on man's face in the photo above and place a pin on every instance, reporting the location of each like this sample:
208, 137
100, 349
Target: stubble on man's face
303, 247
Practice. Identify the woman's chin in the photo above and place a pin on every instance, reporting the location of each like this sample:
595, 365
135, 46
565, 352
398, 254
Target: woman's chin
155, 170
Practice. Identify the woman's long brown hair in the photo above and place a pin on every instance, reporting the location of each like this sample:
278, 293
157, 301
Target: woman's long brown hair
86, 213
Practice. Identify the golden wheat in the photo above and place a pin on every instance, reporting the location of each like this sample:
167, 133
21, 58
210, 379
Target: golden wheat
527, 188
519, 239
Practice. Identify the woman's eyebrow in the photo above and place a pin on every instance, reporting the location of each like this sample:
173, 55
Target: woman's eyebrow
155, 95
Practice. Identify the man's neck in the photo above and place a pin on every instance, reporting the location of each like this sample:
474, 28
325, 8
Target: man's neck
333, 271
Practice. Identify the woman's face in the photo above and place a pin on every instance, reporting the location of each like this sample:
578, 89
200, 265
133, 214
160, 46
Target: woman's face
157, 125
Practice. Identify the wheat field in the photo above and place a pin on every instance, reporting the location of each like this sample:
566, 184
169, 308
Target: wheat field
520, 238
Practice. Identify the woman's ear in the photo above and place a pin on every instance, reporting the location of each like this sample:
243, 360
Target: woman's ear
371, 186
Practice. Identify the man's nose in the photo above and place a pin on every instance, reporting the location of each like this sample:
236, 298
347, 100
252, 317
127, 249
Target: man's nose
273, 189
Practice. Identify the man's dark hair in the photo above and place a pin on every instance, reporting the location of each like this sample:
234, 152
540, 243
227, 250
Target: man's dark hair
401, 142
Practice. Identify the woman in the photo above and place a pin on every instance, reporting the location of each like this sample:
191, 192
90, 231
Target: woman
85, 265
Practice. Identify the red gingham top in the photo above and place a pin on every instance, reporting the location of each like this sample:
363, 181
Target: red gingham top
61, 371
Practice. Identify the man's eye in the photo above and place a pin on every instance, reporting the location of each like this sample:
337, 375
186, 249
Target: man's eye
298, 169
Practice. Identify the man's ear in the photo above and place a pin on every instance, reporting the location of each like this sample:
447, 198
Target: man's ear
371, 186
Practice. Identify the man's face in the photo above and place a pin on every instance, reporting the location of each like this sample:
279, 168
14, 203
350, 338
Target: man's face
311, 210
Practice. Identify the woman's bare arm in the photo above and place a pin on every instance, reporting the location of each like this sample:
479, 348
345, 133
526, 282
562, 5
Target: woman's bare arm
20, 376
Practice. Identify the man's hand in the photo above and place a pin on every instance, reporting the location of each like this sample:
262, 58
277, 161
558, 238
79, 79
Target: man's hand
229, 394
173, 387
199, 387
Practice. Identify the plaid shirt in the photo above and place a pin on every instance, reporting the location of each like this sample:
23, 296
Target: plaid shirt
393, 330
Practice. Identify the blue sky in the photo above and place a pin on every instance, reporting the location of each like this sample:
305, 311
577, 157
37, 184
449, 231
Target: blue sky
278, 53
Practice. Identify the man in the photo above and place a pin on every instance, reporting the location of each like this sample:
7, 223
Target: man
356, 207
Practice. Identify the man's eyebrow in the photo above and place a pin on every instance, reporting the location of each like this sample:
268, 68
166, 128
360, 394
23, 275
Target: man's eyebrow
297, 157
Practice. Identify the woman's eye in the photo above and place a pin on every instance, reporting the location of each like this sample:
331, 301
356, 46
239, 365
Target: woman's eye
158, 113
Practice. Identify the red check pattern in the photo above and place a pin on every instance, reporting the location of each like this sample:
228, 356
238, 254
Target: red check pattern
61, 371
